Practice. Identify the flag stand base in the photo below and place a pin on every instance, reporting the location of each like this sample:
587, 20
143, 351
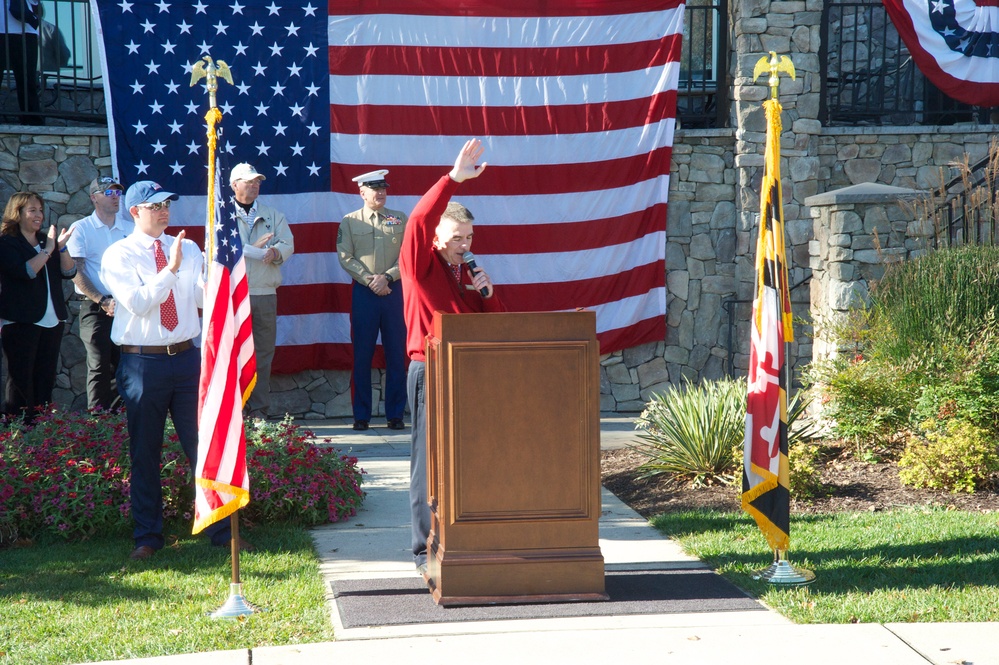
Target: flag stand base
782, 573
235, 605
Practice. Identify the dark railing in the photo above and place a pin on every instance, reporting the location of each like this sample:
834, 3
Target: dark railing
66, 65
967, 209
702, 93
870, 77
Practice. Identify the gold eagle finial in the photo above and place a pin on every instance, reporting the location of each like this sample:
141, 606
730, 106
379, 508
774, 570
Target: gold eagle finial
773, 64
211, 70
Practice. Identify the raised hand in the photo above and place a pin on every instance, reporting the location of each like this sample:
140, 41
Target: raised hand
465, 167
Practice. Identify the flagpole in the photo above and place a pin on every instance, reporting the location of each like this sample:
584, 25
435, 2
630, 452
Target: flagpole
210, 70
780, 572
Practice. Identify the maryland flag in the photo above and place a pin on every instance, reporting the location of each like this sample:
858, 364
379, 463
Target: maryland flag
765, 493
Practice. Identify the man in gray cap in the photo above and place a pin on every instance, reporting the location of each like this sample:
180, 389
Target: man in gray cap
91, 237
158, 286
267, 244
368, 244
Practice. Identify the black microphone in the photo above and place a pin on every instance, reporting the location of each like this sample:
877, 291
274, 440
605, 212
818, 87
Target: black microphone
469, 260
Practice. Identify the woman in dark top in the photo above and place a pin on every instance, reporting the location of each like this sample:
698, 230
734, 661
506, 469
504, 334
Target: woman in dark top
32, 306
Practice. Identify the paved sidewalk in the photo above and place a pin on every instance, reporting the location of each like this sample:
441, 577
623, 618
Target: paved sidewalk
374, 544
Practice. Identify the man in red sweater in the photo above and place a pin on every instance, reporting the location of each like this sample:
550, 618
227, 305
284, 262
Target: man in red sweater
435, 278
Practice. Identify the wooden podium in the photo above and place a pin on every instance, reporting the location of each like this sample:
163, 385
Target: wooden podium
513, 438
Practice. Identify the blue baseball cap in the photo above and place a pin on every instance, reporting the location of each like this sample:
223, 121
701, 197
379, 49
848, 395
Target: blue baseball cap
147, 191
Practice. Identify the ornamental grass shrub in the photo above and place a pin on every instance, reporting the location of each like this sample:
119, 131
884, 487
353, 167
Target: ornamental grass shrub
68, 476
696, 432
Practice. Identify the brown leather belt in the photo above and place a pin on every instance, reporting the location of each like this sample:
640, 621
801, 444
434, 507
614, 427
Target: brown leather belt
171, 350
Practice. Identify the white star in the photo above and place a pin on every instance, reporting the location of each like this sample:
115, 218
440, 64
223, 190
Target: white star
261, 109
292, 29
164, 7
184, 26
259, 69
278, 89
279, 129
176, 168
310, 50
139, 127
156, 107
132, 47
227, 108
313, 169
192, 147
309, 10
141, 167
147, 26
938, 7
293, 70
172, 88
257, 28
158, 147
243, 88
229, 149
137, 87
200, 8
297, 110
244, 128
204, 46
275, 49
168, 46
263, 148
153, 67
313, 129
274, 10
236, 8
175, 127
219, 28
240, 49
313, 90
192, 108
296, 150
280, 168
126, 6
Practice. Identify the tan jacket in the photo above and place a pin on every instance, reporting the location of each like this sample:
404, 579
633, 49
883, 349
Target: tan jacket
264, 278
369, 246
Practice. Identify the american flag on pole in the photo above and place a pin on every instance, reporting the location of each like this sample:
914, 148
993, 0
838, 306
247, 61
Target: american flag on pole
228, 365
955, 44
574, 100
765, 478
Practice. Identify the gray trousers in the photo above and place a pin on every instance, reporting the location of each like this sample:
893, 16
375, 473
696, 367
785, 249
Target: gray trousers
418, 462
264, 312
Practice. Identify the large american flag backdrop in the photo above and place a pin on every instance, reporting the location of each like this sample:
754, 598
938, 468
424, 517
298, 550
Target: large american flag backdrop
574, 99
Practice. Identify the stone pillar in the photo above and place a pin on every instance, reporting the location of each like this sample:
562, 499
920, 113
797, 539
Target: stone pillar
858, 231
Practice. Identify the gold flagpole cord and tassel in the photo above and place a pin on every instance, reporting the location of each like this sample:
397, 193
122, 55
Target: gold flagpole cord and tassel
772, 273
212, 70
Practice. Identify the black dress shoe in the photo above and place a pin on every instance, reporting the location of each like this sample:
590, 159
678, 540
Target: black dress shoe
360, 425
396, 423
141, 552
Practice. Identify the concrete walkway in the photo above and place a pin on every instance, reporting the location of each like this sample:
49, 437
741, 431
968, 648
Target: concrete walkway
374, 544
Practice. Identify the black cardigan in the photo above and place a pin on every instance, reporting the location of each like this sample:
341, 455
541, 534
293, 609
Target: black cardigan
22, 298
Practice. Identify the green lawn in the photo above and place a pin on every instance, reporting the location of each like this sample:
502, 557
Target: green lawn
80, 602
905, 565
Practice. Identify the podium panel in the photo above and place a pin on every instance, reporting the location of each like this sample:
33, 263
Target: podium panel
513, 458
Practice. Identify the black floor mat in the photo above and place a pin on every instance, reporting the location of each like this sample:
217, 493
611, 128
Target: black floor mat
398, 601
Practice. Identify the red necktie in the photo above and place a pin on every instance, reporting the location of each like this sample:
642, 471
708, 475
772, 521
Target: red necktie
168, 309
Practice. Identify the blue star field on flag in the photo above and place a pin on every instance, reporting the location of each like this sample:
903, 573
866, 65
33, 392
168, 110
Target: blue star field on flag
277, 109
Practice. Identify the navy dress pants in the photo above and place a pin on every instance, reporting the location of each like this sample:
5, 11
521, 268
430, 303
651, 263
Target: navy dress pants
370, 314
153, 386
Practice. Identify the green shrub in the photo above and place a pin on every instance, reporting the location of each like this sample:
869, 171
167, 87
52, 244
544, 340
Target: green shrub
941, 296
953, 455
698, 432
805, 477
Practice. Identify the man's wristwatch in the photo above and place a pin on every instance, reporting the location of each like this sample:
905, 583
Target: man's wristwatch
103, 300
388, 277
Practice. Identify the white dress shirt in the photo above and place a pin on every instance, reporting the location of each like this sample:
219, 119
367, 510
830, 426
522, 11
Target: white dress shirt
129, 271
91, 238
